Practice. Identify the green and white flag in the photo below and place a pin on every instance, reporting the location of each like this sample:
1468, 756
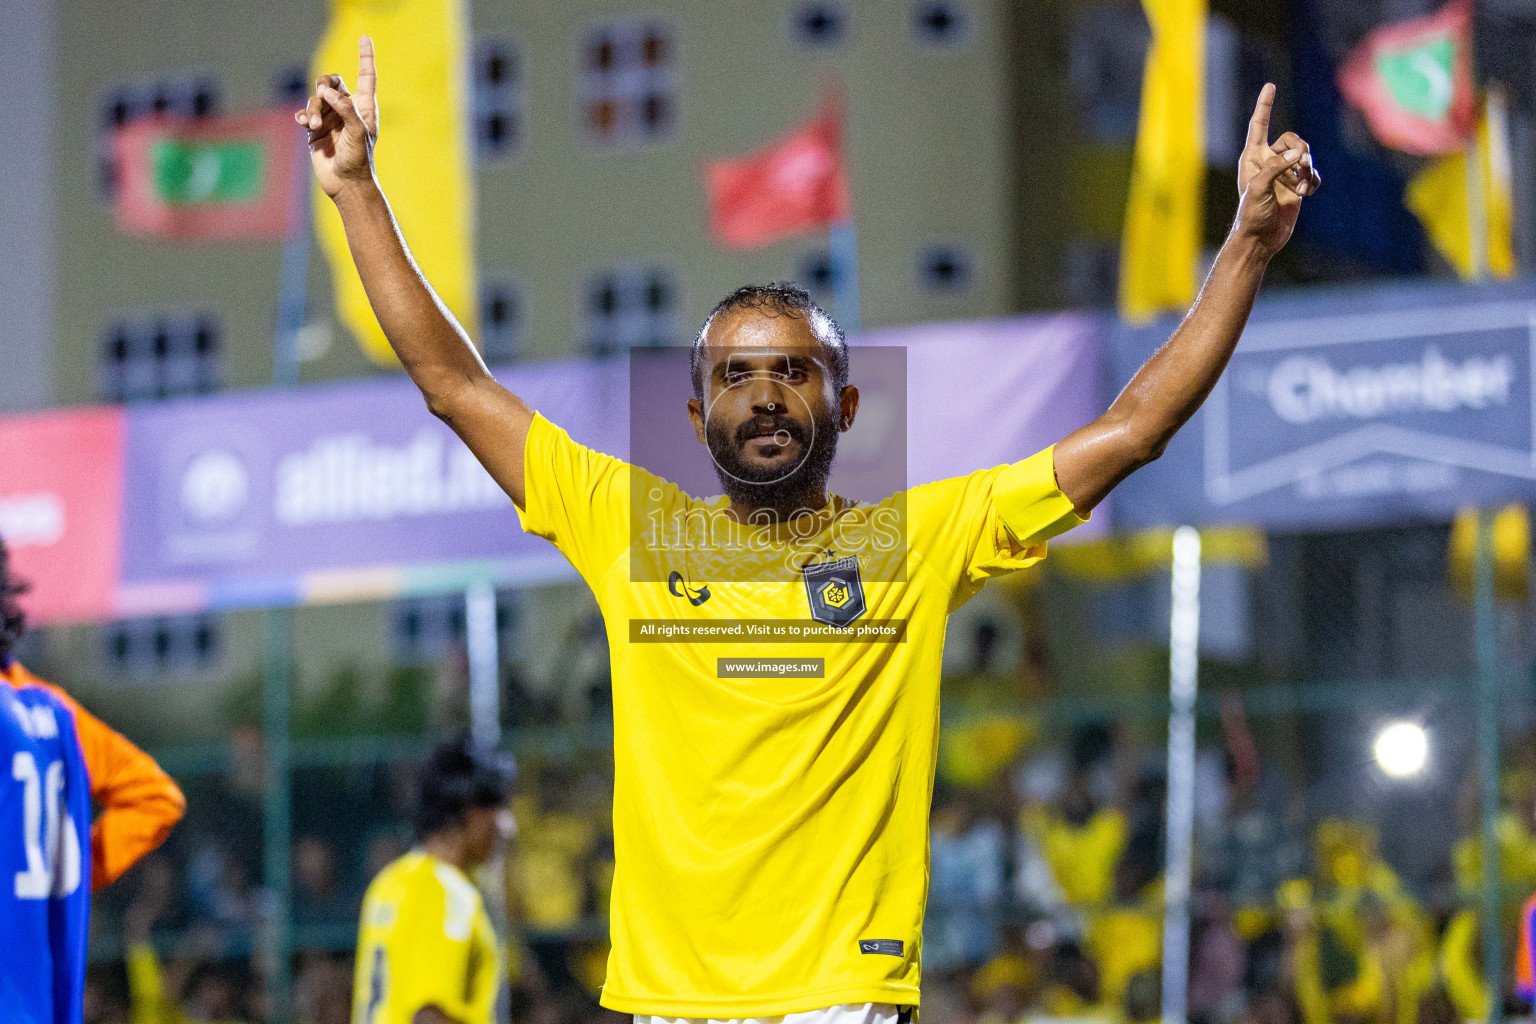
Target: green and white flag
225, 177
1413, 81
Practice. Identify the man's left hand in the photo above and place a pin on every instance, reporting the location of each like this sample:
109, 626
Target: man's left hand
1272, 178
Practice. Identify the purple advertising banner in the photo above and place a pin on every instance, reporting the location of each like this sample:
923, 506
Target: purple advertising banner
986, 392
354, 491
1353, 407
334, 492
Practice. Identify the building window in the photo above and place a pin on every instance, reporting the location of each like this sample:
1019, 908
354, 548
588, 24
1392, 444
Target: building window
182, 98
940, 23
1106, 50
629, 82
818, 275
944, 268
160, 357
819, 24
186, 98
1091, 273
1226, 113
291, 86
498, 99
149, 648
501, 322
630, 308
428, 629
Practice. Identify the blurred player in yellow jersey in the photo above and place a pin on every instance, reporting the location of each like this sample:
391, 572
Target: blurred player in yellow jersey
426, 952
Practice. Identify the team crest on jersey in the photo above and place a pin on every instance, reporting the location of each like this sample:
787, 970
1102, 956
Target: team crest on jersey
679, 588
835, 591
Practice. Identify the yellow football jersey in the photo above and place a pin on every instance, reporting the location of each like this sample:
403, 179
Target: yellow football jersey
771, 834
424, 940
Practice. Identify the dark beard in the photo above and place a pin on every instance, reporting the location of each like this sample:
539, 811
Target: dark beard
769, 487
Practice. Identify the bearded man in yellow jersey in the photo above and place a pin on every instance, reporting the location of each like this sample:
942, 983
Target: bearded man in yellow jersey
426, 952
770, 834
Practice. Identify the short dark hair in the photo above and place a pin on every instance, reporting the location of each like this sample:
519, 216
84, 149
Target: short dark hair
457, 776
13, 621
778, 299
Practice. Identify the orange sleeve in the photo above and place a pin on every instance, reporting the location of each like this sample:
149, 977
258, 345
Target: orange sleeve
1525, 966
139, 802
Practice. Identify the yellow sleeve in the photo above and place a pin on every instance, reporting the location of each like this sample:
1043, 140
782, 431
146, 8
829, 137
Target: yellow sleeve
575, 498
1029, 508
427, 952
995, 520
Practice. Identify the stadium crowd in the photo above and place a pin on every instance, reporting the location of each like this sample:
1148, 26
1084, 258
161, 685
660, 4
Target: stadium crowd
1045, 899
1045, 903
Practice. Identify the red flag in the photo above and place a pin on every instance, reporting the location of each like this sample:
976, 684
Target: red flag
220, 177
796, 185
1413, 81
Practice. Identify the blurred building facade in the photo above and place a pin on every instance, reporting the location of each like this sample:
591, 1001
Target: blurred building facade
592, 123
990, 145
588, 229
989, 142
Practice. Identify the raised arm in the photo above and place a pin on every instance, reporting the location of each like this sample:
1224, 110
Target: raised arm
432, 347
1166, 391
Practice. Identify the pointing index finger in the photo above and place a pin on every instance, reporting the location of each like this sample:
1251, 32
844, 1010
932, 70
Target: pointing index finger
1258, 126
367, 72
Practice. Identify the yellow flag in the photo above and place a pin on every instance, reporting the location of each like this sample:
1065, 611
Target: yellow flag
1132, 555
423, 154
1511, 553
1160, 248
1438, 196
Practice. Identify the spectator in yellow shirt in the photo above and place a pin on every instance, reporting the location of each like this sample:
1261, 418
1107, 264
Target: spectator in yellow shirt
191, 989
1081, 839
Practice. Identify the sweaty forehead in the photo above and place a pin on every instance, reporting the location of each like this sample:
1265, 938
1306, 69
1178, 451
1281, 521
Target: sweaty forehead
744, 330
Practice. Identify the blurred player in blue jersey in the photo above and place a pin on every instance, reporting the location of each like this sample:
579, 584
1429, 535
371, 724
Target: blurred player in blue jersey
55, 758
45, 864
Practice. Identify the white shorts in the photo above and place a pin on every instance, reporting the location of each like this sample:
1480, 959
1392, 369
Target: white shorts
847, 1013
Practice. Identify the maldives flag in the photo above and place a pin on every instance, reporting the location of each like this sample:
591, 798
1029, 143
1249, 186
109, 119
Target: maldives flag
1413, 81
214, 177
796, 185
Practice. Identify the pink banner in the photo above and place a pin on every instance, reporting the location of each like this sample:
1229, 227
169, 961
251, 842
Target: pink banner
61, 504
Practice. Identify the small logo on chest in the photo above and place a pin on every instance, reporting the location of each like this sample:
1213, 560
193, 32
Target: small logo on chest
680, 588
834, 591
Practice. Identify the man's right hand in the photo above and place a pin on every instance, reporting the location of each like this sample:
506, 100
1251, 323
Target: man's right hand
343, 126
